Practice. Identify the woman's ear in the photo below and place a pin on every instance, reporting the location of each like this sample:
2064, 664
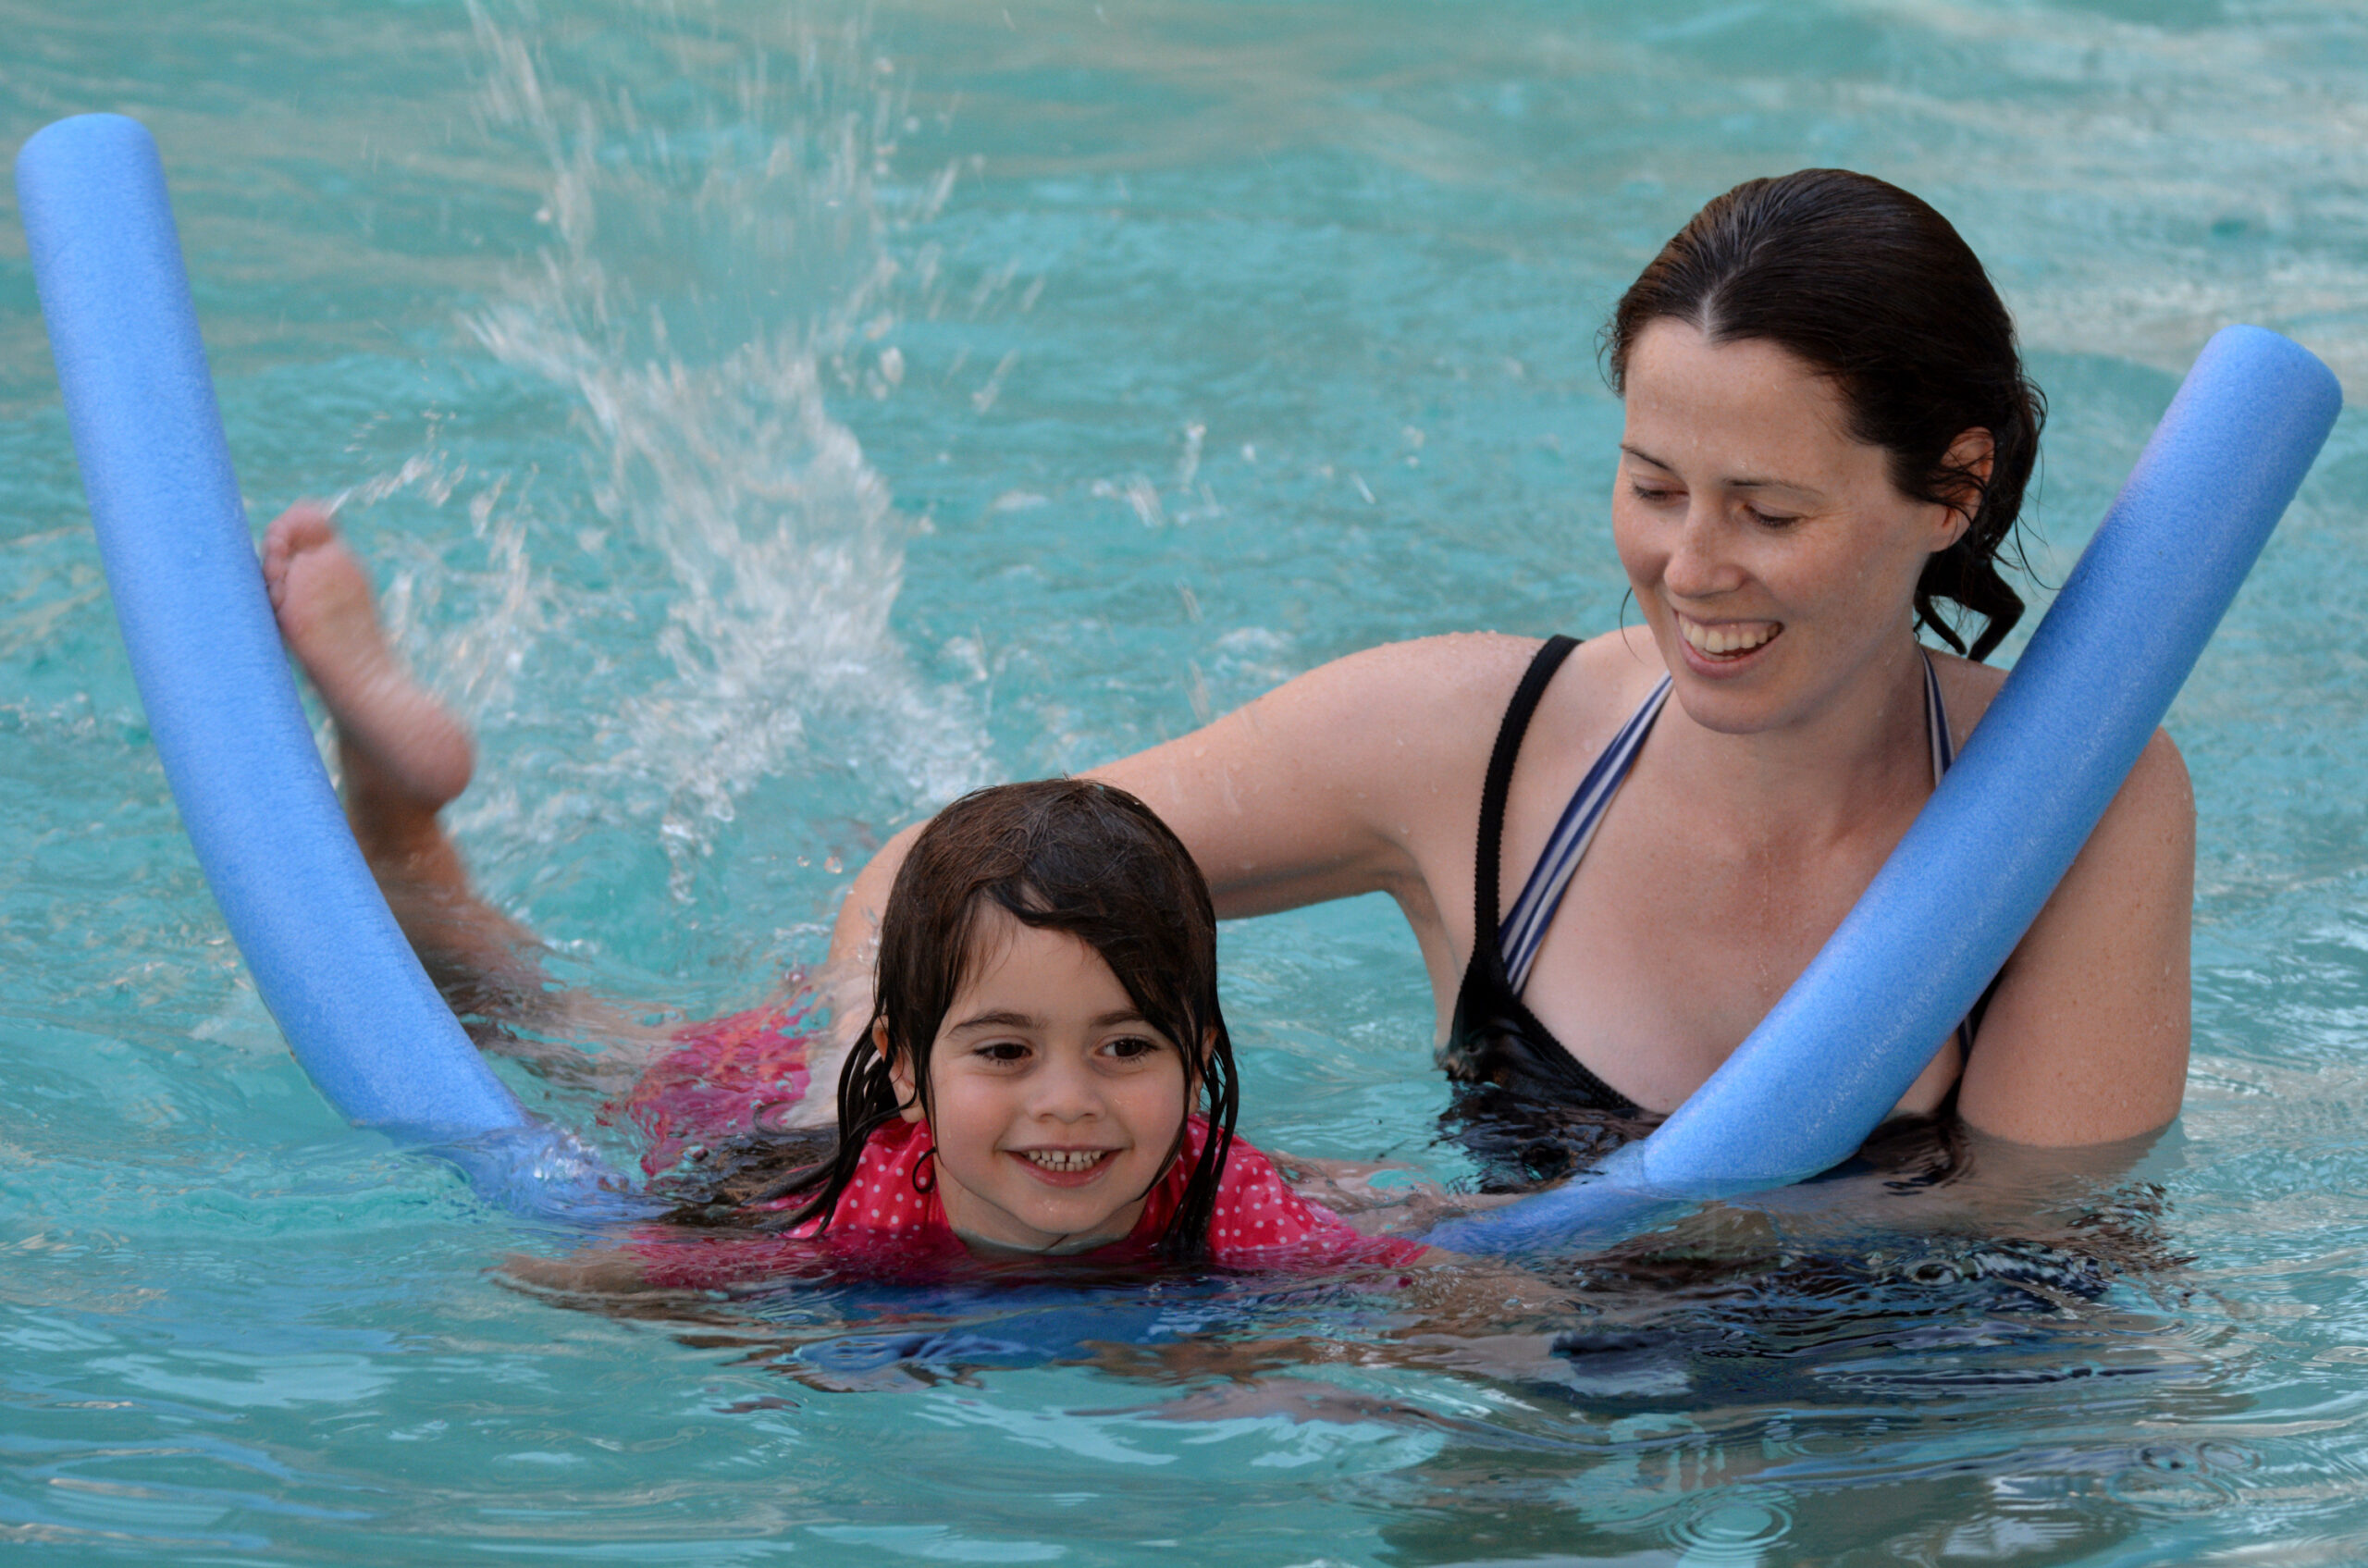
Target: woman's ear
900, 1074
1974, 454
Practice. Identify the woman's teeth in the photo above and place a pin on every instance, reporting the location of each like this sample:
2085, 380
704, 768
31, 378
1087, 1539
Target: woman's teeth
1071, 1160
1738, 638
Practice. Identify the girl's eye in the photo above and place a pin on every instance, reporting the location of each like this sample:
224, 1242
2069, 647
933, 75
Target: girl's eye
1132, 1048
1002, 1051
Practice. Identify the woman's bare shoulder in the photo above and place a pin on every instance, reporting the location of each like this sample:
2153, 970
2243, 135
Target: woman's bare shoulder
2157, 790
1458, 668
1450, 669
2084, 1040
1452, 690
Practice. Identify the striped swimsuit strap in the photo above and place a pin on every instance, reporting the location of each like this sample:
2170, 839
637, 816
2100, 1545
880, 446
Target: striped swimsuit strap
1522, 930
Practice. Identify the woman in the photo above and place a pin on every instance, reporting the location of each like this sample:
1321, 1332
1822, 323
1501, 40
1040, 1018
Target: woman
1828, 436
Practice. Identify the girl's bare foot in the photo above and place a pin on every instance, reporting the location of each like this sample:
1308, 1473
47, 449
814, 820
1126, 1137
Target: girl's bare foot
405, 756
396, 739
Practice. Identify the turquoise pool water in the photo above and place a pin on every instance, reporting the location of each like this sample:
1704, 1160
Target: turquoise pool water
767, 421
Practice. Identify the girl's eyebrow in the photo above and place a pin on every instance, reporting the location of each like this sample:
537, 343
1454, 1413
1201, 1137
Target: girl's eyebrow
1007, 1020
997, 1020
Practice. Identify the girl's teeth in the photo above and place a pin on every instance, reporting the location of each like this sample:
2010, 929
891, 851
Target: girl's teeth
1065, 1159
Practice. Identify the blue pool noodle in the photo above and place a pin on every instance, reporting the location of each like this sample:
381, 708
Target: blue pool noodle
364, 1020
1864, 1020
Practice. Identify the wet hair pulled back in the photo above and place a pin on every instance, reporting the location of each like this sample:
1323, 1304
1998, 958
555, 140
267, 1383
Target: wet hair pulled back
1067, 854
1877, 293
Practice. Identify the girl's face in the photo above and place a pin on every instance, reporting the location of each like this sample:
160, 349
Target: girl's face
1769, 550
1054, 1106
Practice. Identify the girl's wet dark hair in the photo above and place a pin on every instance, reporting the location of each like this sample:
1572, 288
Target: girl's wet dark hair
1067, 854
1877, 293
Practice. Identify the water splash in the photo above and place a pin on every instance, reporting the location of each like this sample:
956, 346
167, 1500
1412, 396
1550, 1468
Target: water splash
723, 253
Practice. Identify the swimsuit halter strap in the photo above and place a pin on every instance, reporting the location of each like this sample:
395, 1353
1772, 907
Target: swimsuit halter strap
1523, 930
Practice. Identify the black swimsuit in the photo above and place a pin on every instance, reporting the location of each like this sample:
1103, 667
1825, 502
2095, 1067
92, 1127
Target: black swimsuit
1495, 1039
1525, 1107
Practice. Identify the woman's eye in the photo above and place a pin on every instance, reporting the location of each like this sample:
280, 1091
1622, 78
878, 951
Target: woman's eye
1653, 495
1769, 519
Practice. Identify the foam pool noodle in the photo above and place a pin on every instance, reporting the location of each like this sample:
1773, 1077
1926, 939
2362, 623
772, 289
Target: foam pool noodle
362, 1016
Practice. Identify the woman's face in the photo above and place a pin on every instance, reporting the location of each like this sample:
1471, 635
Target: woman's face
1771, 553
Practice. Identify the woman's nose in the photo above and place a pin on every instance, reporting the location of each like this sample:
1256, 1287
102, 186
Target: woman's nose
1699, 566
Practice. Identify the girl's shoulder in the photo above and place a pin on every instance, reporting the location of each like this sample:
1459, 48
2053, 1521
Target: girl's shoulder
894, 1191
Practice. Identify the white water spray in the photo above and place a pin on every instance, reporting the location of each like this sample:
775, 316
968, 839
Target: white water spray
711, 270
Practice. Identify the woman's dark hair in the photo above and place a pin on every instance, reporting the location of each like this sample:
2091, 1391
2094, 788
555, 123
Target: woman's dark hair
1064, 854
1877, 293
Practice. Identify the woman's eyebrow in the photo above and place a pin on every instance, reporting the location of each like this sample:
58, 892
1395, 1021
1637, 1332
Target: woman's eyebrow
1735, 482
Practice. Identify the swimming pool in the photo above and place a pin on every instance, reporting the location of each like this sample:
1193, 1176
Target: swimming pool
1034, 381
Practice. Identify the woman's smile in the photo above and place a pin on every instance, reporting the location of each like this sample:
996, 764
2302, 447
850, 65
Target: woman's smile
1726, 641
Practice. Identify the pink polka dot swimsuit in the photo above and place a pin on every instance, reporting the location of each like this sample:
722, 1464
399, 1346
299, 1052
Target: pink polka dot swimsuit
728, 1077
1257, 1222
737, 1076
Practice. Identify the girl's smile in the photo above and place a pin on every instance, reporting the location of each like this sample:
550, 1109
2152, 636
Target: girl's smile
1054, 1106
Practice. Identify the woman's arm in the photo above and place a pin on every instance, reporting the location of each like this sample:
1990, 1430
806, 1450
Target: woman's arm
1361, 775
2085, 1038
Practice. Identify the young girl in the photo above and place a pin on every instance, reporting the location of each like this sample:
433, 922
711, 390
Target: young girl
1045, 1069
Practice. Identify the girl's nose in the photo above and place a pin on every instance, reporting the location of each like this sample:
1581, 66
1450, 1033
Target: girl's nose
1065, 1090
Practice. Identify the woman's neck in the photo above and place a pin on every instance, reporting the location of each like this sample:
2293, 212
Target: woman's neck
1848, 762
